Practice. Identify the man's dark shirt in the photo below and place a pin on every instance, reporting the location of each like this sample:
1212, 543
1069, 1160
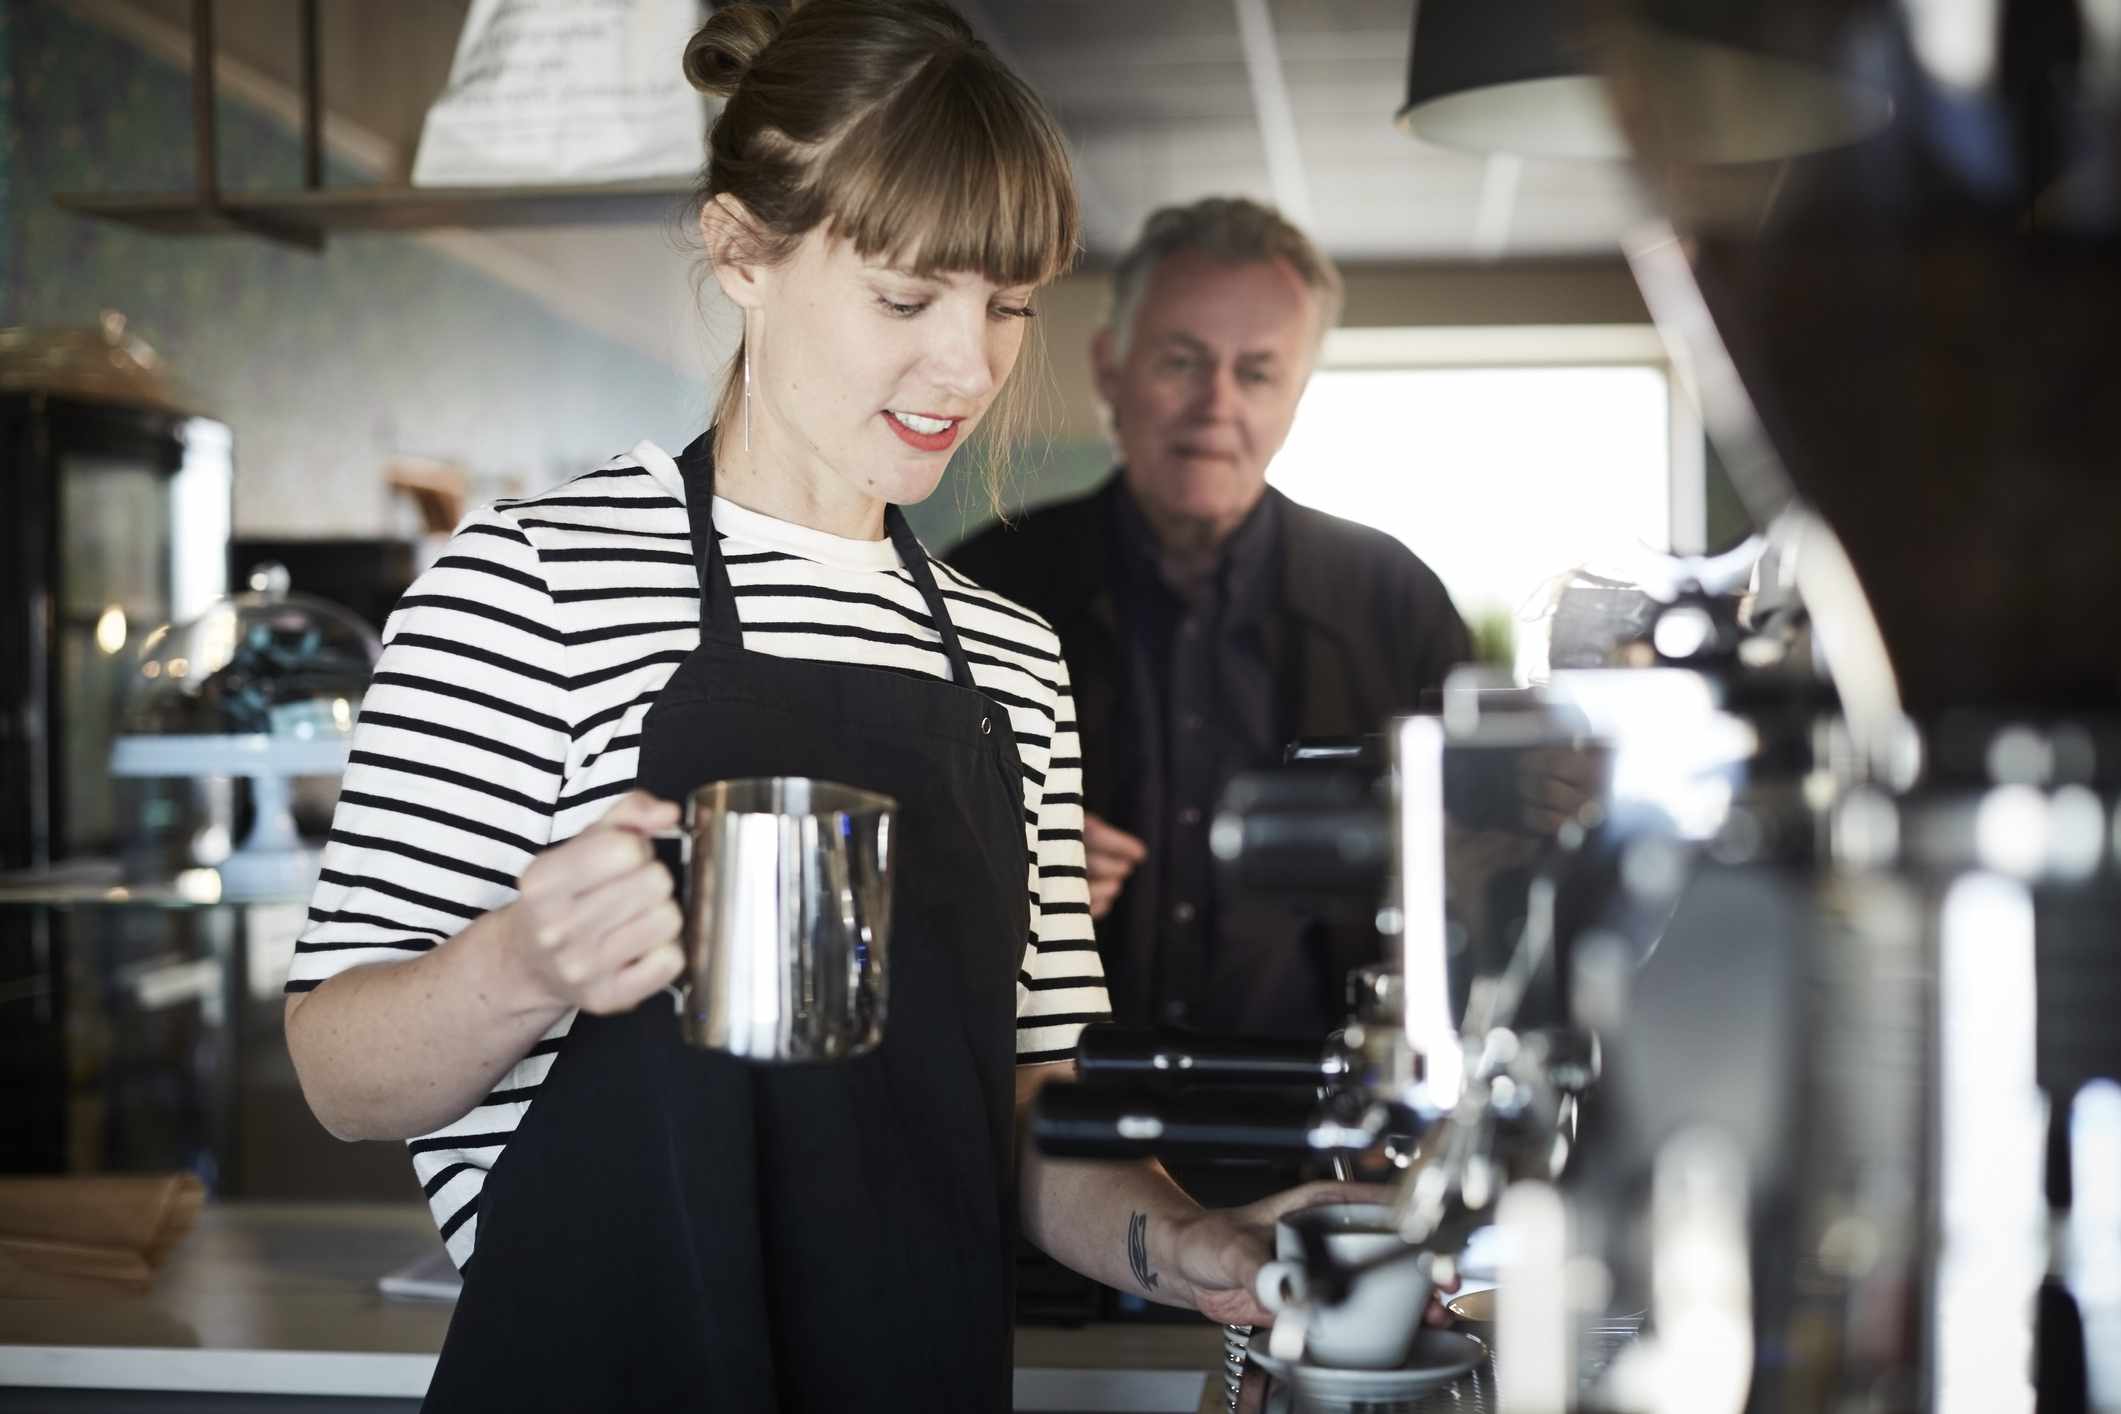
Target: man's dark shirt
1202, 710
1343, 627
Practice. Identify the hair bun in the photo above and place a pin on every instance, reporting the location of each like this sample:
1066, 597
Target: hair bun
717, 57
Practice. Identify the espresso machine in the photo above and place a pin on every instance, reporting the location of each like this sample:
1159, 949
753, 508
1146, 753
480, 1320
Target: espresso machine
1768, 991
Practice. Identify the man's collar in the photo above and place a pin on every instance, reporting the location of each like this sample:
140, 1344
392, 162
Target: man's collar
1307, 544
1245, 561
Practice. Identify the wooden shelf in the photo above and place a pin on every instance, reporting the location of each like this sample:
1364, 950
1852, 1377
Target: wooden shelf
302, 217
305, 217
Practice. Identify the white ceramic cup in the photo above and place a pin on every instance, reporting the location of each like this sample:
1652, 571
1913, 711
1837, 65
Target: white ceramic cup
1374, 1327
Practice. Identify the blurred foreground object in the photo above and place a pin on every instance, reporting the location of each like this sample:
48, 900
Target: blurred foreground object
1913, 335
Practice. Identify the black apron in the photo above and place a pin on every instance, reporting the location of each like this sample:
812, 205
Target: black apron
672, 1228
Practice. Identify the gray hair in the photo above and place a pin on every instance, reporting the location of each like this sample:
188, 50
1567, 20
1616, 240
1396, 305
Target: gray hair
1225, 228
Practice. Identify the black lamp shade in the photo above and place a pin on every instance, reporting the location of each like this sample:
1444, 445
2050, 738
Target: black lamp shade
1523, 77
1507, 76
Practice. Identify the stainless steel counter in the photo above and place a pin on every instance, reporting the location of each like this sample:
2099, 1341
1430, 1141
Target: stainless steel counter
279, 1302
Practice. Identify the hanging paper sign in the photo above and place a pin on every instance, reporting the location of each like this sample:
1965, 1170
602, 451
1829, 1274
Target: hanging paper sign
545, 91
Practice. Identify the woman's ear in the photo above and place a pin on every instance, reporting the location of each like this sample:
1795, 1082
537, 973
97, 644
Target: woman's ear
729, 234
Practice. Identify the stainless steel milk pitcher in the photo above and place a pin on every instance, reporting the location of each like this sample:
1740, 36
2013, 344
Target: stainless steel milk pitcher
787, 901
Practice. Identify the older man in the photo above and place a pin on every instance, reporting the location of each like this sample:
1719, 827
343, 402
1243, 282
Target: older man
1209, 620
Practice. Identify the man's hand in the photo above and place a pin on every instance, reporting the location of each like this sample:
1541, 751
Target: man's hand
1112, 855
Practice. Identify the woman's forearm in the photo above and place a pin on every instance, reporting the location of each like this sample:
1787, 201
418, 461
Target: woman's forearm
398, 1049
1113, 1222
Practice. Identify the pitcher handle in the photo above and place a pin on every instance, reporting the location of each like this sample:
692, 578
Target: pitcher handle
681, 834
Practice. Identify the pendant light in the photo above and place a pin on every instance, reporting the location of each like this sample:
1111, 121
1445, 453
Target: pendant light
1524, 78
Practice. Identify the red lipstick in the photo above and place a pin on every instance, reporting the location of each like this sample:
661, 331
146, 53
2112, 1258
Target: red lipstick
924, 441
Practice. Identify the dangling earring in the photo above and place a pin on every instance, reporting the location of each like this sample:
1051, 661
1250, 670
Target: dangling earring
747, 395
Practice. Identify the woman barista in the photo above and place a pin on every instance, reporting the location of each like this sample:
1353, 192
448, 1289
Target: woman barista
647, 1226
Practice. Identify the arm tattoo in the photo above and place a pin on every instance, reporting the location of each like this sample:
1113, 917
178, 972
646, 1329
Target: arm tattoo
1138, 1250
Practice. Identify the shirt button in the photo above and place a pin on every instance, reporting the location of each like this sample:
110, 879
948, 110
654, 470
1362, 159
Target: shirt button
1174, 1012
1191, 721
1190, 628
1182, 912
1189, 816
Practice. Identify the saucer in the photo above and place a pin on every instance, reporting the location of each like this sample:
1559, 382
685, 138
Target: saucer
1439, 1356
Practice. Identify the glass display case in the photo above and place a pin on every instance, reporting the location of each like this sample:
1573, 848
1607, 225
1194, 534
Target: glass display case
163, 1011
264, 686
149, 1017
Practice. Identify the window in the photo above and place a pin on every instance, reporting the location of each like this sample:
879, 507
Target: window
1504, 458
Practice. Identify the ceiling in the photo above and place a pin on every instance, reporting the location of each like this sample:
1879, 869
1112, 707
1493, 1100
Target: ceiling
1165, 100
1162, 100
1289, 101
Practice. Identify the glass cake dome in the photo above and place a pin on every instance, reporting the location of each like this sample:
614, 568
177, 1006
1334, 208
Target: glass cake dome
263, 685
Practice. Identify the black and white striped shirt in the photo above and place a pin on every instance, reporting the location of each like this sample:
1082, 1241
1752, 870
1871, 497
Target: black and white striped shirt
505, 716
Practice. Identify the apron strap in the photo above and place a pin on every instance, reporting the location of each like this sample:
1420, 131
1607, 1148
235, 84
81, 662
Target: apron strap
915, 559
718, 619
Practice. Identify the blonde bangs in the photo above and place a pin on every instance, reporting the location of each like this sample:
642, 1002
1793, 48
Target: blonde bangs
960, 170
